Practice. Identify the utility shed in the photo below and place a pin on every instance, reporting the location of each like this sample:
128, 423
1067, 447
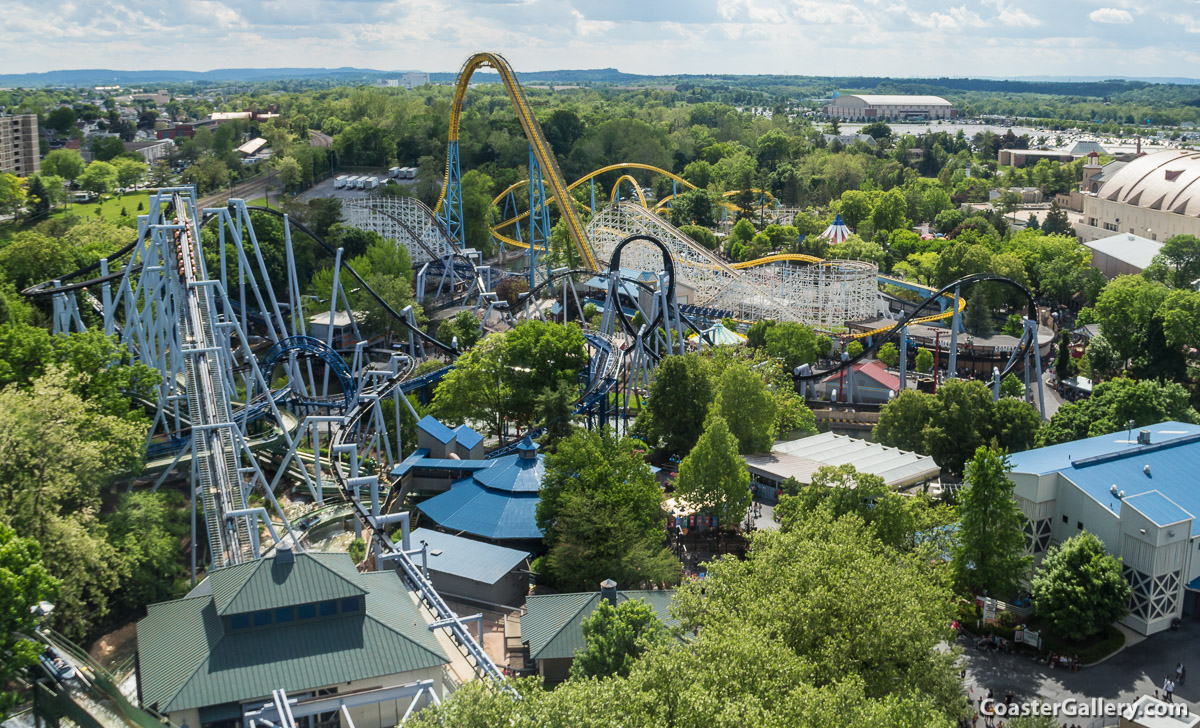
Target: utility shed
552, 625
466, 569
306, 623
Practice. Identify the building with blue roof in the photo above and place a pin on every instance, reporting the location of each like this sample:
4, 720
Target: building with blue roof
497, 503
1138, 491
464, 569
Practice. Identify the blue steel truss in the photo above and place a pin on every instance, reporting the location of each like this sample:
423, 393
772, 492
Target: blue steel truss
539, 219
452, 206
318, 348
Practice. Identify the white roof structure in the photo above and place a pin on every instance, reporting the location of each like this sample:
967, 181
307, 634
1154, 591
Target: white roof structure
1167, 181
252, 146
900, 100
801, 458
1128, 248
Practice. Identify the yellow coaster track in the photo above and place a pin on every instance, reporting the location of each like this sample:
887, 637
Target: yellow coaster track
533, 133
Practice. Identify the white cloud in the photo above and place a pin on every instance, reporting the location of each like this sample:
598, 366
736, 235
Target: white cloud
1011, 16
953, 19
1110, 15
827, 13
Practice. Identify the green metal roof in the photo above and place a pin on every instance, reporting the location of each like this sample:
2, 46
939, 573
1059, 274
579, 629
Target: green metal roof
552, 625
186, 660
267, 584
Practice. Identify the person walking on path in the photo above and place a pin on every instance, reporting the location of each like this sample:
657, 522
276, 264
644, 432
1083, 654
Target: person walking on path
1169, 690
1179, 672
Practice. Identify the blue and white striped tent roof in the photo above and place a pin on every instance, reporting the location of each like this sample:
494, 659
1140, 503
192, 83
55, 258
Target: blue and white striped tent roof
837, 232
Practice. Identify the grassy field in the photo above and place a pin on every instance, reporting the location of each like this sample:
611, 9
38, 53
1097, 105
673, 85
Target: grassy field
110, 207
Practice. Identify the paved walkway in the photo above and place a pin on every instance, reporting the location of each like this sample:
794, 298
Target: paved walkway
1135, 671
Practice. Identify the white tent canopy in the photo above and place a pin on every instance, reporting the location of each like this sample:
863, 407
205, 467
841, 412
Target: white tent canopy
837, 232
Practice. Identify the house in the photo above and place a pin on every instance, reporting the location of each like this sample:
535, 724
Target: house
152, 150
552, 625
306, 623
873, 384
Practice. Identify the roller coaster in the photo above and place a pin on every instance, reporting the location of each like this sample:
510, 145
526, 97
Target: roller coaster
247, 395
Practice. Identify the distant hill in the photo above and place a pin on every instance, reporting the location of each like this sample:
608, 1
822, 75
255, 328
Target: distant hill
107, 77
1055, 85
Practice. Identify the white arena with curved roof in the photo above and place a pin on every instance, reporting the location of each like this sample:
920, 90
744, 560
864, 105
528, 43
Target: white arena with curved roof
1156, 196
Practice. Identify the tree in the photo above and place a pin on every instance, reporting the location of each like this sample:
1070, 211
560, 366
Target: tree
748, 408
843, 490
924, 361
824, 345
989, 556
1125, 310
146, 530
698, 173
756, 335
1062, 362
58, 451
713, 477
742, 232
24, 582
12, 194
679, 399
289, 171
601, 514
554, 412
854, 348
1113, 405
39, 200
1180, 255
99, 177
902, 421
538, 354
1103, 361
1180, 316
888, 354
463, 327
475, 389
65, 163
161, 175
890, 211
615, 637
1011, 386
856, 207
478, 209
511, 289
961, 422
793, 343
947, 220
1056, 222
105, 148
357, 550
130, 172
701, 235
1079, 589
61, 119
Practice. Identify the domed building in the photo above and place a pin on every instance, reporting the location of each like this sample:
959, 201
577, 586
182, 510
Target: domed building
1156, 196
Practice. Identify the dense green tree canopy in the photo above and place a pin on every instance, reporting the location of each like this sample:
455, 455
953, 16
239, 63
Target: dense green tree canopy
602, 515
614, 638
1078, 588
988, 556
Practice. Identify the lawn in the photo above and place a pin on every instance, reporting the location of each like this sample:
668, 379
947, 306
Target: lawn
110, 207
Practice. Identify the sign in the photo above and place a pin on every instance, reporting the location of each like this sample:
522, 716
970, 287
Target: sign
714, 522
670, 521
989, 610
1031, 638
691, 521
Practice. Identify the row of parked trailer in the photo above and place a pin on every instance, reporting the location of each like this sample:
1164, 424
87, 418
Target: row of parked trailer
369, 182
364, 182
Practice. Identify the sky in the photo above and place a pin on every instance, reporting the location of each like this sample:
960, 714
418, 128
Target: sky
802, 37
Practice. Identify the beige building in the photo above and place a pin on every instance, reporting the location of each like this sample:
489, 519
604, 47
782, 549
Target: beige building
1156, 196
893, 107
19, 145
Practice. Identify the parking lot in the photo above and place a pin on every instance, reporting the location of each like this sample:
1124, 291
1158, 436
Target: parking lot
326, 188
